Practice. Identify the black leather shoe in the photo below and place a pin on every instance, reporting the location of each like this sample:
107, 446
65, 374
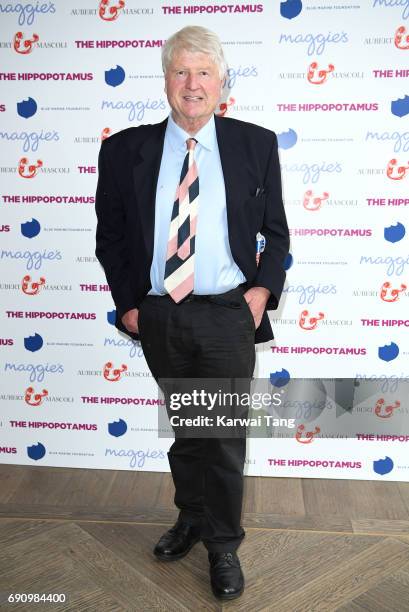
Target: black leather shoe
176, 543
226, 577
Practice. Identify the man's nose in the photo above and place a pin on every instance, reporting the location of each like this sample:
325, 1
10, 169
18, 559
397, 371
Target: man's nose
192, 81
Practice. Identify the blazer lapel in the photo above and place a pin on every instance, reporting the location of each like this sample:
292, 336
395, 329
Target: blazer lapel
234, 164
145, 176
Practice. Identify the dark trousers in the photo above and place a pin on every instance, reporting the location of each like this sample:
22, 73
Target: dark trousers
203, 337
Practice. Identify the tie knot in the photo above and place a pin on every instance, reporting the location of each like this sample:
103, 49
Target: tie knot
191, 143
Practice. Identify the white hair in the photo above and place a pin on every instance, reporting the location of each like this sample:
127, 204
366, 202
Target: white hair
197, 40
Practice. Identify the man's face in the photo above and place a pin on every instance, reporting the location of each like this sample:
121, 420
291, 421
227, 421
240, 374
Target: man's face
193, 87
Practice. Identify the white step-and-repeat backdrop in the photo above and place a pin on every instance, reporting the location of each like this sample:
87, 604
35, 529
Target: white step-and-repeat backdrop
332, 80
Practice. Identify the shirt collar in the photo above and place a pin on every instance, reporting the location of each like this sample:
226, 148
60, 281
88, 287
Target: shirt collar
177, 137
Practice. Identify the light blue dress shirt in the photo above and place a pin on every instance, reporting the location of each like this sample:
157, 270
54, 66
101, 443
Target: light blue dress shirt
215, 270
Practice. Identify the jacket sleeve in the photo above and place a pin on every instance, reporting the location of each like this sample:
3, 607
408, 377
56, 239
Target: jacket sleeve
111, 246
270, 272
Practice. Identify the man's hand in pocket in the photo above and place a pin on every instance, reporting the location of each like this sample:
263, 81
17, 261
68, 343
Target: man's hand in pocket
130, 320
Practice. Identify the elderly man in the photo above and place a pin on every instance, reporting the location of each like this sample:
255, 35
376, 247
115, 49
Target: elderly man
184, 274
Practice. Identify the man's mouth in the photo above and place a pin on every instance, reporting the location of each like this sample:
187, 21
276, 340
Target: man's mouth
192, 98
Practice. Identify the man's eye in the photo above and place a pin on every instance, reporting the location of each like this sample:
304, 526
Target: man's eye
204, 73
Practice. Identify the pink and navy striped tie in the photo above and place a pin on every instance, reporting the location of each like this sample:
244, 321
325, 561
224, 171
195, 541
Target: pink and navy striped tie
180, 258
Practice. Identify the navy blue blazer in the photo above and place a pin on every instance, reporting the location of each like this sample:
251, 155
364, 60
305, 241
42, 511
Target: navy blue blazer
129, 163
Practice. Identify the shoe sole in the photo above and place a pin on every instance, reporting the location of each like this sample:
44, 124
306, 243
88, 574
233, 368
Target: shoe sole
229, 597
178, 556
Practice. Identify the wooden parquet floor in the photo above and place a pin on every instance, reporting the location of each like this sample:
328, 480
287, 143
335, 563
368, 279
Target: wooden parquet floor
311, 545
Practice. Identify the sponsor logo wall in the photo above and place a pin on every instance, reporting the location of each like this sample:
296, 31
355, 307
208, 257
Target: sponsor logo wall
333, 83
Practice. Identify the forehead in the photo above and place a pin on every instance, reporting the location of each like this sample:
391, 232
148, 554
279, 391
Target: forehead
186, 59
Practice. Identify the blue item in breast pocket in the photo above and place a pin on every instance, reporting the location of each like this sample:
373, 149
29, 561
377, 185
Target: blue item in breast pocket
260, 246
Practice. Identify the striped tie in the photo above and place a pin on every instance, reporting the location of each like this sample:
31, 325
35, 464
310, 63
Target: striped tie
180, 257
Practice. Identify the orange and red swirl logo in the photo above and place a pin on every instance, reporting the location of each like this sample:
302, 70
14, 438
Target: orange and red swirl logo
318, 76
27, 170
395, 172
30, 287
113, 374
110, 13
401, 38
24, 46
